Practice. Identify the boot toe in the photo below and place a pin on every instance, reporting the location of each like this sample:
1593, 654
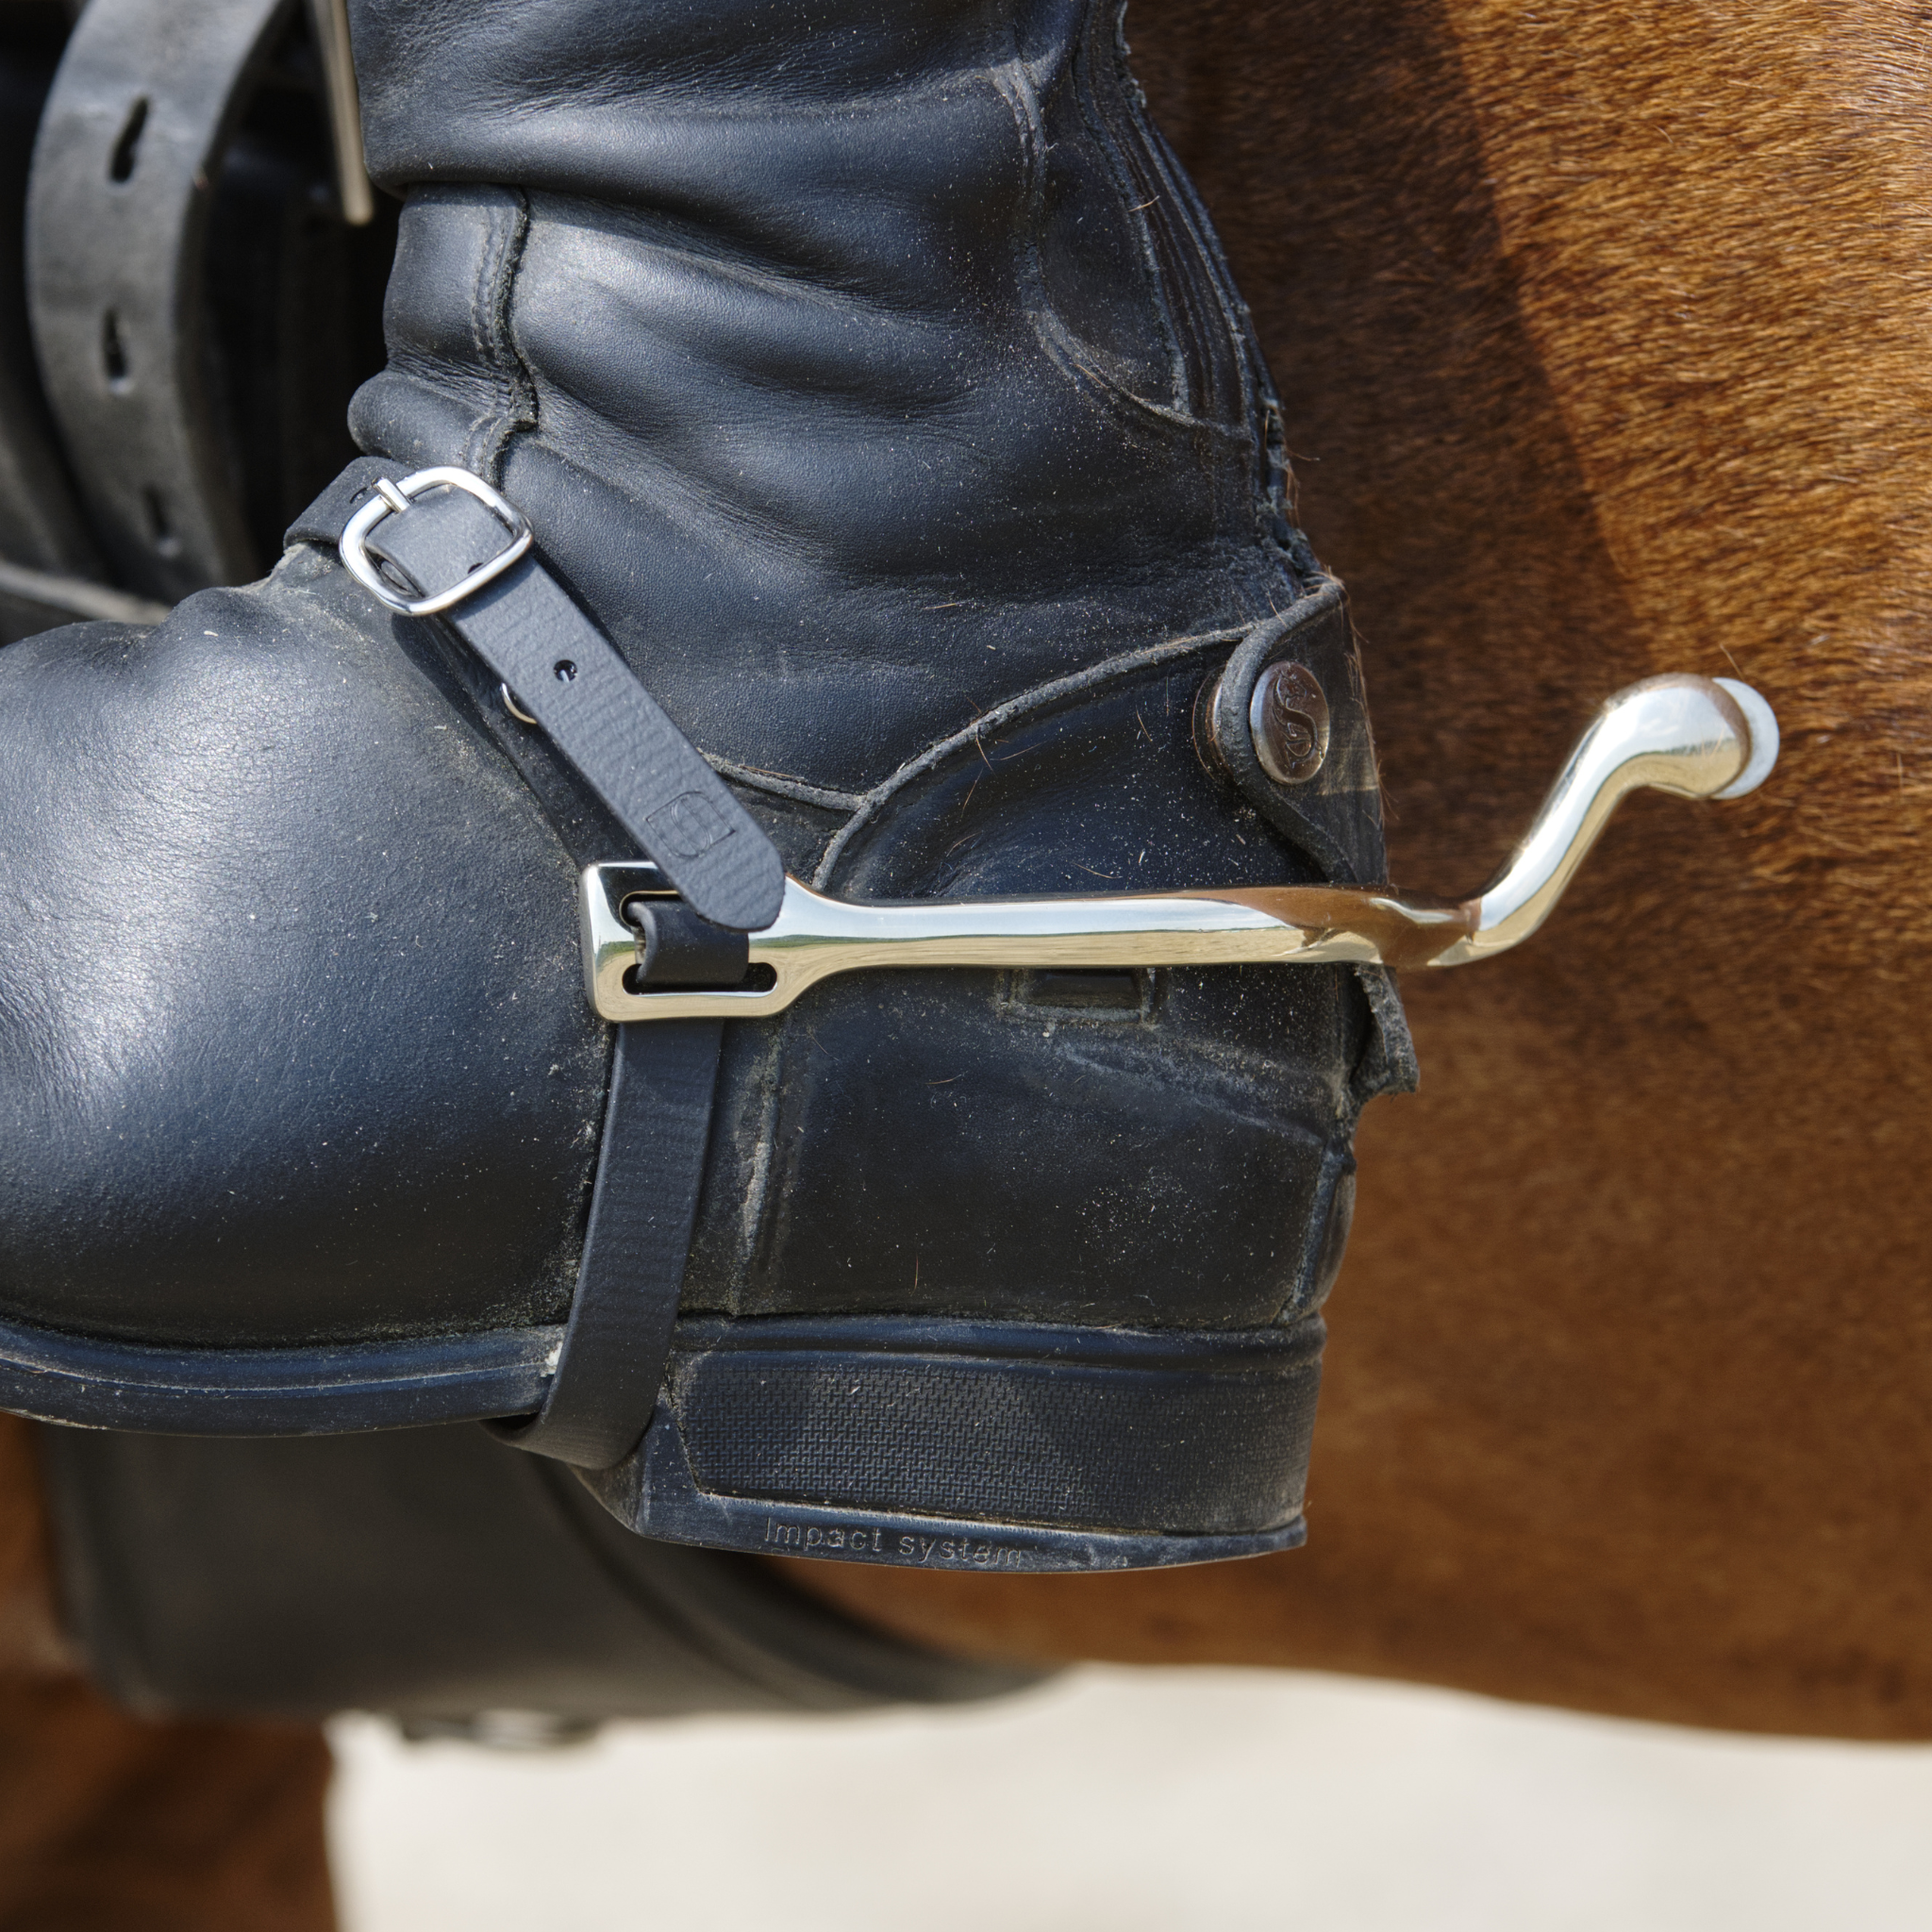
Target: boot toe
290, 1008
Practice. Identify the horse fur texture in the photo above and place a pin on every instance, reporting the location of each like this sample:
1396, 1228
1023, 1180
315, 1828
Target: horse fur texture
1605, 340
1602, 335
109, 1820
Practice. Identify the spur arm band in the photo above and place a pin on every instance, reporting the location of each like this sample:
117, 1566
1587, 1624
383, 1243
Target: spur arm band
1693, 736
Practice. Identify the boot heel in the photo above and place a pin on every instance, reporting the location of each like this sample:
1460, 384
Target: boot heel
977, 1445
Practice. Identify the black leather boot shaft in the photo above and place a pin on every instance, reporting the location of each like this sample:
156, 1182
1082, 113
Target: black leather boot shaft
857, 362
869, 375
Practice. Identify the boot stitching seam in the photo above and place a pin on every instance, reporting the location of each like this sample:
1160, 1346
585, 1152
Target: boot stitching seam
493, 341
1038, 698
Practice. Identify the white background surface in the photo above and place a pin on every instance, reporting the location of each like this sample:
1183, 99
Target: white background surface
1121, 1801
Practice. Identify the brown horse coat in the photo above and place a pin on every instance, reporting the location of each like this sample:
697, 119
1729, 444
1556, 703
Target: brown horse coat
109, 1823
1604, 338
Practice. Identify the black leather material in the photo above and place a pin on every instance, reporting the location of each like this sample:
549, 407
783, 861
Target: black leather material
293, 1046
426, 1572
40, 526
911, 382
590, 703
678, 948
650, 1165
318, 1388
429, 1573
871, 377
995, 1144
127, 362
200, 310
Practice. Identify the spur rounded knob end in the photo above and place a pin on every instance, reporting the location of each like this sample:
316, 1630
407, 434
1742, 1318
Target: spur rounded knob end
1693, 736
1761, 735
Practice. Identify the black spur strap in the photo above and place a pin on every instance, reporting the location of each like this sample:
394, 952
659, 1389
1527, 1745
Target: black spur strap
650, 1169
443, 543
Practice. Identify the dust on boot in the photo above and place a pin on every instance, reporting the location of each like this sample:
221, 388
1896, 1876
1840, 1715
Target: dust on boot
905, 504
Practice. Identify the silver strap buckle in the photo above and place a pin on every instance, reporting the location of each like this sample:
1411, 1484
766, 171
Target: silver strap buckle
391, 499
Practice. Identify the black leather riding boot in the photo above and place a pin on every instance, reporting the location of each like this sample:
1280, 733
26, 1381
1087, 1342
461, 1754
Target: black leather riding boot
869, 375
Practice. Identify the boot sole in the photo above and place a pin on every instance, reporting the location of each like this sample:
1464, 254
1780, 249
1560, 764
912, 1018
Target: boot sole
1011, 1446
1015, 1446
100, 1383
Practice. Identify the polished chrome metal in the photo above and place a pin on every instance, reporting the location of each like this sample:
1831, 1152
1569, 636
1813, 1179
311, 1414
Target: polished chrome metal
1693, 736
391, 499
78, 597
1761, 720
814, 937
329, 21
511, 704
1287, 720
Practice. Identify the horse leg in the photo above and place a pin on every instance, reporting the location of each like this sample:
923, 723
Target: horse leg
110, 1819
